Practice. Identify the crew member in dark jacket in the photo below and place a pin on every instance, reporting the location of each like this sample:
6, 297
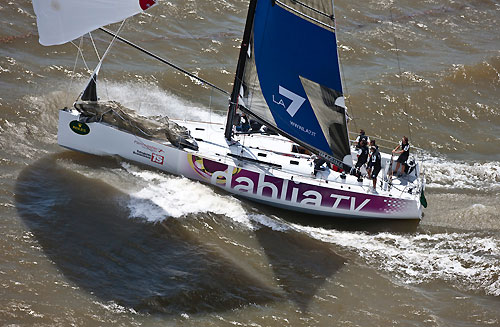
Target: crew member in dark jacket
362, 136
362, 157
244, 125
374, 165
403, 149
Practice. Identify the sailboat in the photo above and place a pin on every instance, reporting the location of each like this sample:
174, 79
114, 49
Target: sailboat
287, 83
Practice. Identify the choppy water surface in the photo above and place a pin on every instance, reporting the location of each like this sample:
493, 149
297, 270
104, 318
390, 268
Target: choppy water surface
99, 241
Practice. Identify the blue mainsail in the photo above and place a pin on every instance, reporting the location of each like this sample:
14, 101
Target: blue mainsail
292, 78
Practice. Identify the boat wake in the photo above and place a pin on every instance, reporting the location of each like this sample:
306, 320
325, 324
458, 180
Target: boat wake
441, 173
462, 259
467, 260
167, 196
446, 174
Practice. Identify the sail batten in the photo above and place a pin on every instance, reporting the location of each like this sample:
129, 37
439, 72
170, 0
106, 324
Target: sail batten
291, 78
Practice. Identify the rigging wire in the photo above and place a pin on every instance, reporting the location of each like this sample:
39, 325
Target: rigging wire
79, 50
115, 36
174, 12
99, 59
347, 98
95, 48
346, 94
74, 67
164, 61
400, 75
186, 31
98, 66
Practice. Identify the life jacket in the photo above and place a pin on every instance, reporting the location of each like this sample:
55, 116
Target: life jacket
360, 139
363, 154
375, 160
405, 148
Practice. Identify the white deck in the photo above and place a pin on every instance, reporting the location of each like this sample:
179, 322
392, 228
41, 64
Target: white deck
277, 150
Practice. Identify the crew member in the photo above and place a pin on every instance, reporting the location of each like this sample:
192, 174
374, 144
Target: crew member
403, 149
317, 164
362, 136
255, 126
374, 165
244, 125
362, 158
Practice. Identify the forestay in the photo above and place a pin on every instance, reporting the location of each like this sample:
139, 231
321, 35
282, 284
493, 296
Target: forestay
292, 80
60, 21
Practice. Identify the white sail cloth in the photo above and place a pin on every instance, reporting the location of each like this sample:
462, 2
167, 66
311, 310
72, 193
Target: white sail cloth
60, 21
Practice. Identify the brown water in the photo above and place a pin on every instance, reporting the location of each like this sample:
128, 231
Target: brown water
98, 241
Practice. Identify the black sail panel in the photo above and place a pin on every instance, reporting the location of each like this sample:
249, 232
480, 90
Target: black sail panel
328, 106
90, 92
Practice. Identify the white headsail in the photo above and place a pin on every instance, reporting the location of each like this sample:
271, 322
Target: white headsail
60, 21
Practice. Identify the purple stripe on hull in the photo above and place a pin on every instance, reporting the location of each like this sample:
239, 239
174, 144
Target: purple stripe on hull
285, 192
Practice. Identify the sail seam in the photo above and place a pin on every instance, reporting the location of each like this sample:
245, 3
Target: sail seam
305, 15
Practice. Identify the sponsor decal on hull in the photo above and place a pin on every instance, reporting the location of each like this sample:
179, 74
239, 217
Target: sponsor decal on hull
205, 168
278, 190
142, 154
79, 127
154, 157
148, 147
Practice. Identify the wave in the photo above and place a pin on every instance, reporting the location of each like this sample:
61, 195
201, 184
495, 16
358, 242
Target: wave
174, 197
44, 107
447, 174
464, 259
460, 258
486, 72
441, 173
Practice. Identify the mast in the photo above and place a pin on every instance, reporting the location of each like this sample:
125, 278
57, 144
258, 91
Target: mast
240, 70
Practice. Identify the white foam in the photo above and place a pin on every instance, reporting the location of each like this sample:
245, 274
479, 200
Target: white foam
167, 196
448, 174
272, 222
115, 307
463, 259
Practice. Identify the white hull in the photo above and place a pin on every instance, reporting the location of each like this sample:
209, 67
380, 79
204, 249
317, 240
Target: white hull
281, 179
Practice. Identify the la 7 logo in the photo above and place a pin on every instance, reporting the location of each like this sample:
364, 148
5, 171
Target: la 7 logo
156, 158
297, 100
